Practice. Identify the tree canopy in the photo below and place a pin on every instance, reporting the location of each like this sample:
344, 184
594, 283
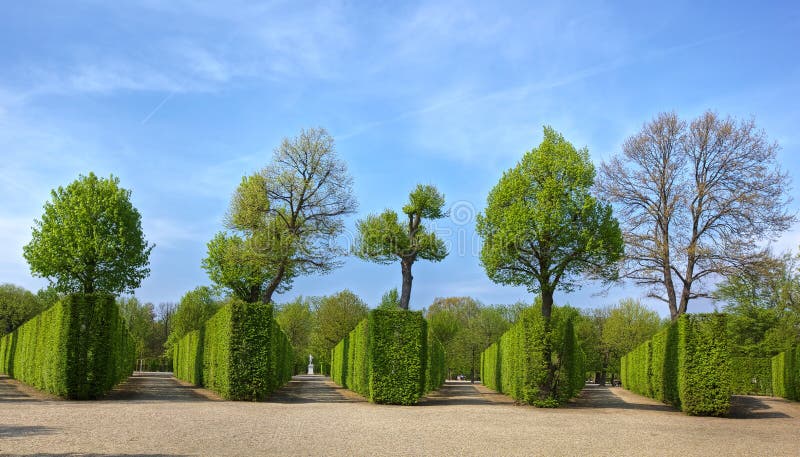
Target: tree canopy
90, 239
283, 221
384, 239
542, 227
697, 200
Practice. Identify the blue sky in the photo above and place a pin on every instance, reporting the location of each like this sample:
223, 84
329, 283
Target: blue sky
181, 99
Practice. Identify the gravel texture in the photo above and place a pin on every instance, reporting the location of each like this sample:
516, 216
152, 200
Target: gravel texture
156, 415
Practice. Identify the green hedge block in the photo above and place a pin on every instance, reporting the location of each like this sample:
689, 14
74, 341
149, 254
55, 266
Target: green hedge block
241, 353
388, 358
188, 358
79, 348
515, 365
436, 375
704, 378
751, 376
397, 353
687, 365
786, 374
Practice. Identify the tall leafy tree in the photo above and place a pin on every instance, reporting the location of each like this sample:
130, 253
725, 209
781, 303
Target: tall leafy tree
283, 221
385, 239
543, 228
697, 199
90, 239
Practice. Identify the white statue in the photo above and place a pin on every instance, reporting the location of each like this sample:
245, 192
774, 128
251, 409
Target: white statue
310, 364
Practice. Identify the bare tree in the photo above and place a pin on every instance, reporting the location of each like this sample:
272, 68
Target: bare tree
695, 200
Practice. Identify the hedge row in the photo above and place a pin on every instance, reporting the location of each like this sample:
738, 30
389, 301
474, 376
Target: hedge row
389, 358
786, 374
751, 376
687, 365
516, 365
79, 348
241, 353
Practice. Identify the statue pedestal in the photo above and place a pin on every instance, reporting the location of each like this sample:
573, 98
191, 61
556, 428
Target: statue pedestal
310, 368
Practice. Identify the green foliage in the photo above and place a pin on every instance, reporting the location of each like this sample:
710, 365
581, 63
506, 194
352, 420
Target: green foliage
17, 305
390, 300
296, 318
140, 319
384, 238
751, 376
764, 306
436, 368
334, 317
516, 365
388, 358
687, 365
786, 374
79, 348
187, 358
543, 228
397, 356
195, 308
90, 239
704, 367
283, 220
465, 327
241, 353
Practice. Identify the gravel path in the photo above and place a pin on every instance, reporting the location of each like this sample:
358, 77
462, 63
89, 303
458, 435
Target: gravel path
160, 416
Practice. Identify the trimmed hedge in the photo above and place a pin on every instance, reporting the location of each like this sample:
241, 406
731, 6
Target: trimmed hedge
516, 365
786, 374
79, 348
241, 353
751, 376
687, 365
436, 374
389, 358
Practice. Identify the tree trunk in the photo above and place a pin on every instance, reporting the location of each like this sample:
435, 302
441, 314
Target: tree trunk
547, 390
602, 380
273, 285
405, 295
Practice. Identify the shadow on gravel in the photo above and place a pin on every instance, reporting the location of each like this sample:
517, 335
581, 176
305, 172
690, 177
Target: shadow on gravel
144, 386
313, 389
92, 455
603, 397
16, 431
749, 407
12, 390
455, 393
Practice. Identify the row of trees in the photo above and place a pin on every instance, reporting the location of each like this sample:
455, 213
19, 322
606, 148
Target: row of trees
697, 198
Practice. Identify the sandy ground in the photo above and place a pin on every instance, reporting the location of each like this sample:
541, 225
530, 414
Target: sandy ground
155, 415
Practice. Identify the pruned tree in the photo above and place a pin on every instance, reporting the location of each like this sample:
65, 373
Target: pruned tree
90, 239
697, 201
384, 239
283, 221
